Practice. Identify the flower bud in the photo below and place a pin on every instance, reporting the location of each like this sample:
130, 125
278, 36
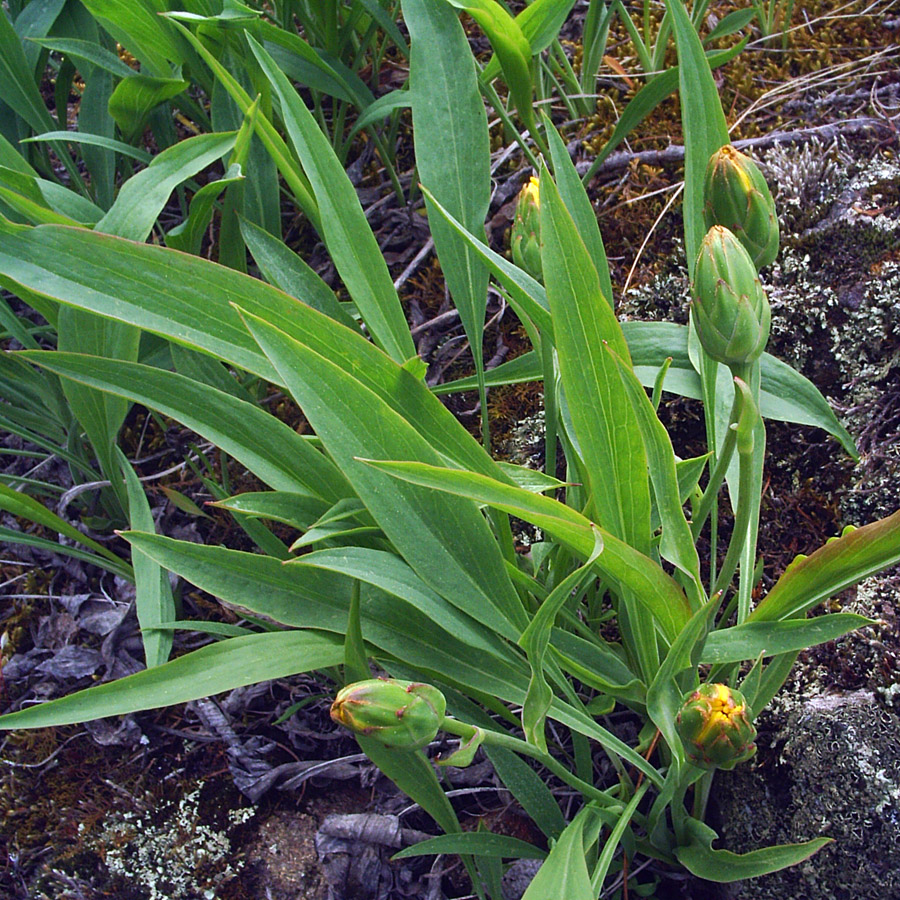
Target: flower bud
400, 714
715, 727
525, 236
736, 195
731, 311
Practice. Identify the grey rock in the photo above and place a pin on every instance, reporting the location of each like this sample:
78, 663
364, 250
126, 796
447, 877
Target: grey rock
833, 770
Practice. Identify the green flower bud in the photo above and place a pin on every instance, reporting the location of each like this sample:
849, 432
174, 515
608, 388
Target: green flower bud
731, 311
737, 196
715, 727
525, 236
400, 714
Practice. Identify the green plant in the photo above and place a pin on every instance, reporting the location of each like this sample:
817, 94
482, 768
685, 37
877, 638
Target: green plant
400, 563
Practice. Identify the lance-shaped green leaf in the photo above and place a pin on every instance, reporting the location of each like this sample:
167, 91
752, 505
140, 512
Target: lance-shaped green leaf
270, 449
664, 696
838, 564
449, 544
676, 544
723, 866
512, 48
294, 177
535, 639
564, 872
137, 26
191, 301
344, 228
142, 198
656, 590
209, 670
754, 639
319, 597
137, 96
25, 507
450, 132
602, 416
154, 600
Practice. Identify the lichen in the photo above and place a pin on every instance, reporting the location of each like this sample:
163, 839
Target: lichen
174, 857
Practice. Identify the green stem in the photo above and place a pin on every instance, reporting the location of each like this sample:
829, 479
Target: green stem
507, 742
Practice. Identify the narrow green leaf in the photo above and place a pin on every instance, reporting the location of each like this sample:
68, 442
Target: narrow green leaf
619, 562
154, 601
604, 422
478, 843
210, 670
448, 544
452, 148
269, 448
286, 270
347, 234
723, 866
754, 639
838, 564
142, 198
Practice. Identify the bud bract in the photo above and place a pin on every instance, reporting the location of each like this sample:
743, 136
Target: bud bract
731, 311
525, 236
715, 726
736, 195
400, 714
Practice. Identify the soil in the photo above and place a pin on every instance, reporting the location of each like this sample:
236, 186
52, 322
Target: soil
222, 799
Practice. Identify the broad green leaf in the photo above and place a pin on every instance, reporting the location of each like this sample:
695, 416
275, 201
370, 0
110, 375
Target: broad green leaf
154, 602
598, 665
723, 866
135, 97
564, 872
142, 198
573, 194
529, 789
296, 510
137, 26
605, 425
656, 590
210, 670
449, 544
350, 241
452, 147
286, 270
22, 193
270, 449
478, 843
392, 575
25, 507
838, 564
310, 597
754, 639
191, 301
676, 543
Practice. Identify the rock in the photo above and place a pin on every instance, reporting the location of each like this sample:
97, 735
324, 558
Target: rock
832, 769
